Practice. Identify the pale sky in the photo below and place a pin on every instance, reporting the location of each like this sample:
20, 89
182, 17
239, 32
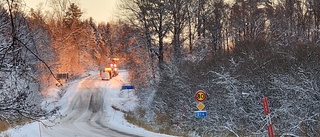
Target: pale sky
99, 10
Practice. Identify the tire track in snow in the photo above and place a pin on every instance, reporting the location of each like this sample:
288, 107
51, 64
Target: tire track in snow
85, 114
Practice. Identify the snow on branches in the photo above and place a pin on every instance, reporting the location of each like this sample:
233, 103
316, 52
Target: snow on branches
19, 88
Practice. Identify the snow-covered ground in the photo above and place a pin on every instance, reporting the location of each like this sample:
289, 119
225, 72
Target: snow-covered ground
88, 110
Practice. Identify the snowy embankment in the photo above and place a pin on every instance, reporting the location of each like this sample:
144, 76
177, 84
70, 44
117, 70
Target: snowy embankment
90, 107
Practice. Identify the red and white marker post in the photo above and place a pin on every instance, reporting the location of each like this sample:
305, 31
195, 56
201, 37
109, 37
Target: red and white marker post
267, 113
182, 113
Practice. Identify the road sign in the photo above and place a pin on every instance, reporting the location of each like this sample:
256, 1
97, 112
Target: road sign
200, 106
200, 95
200, 114
127, 87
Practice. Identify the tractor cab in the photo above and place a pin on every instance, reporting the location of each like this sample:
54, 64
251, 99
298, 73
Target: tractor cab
111, 70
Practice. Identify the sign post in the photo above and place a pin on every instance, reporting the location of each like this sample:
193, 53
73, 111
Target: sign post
267, 113
200, 97
129, 87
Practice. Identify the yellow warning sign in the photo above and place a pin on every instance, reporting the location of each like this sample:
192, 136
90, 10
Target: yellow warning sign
200, 106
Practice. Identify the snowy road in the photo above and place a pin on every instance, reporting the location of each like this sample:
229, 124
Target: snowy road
88, 109
85, 115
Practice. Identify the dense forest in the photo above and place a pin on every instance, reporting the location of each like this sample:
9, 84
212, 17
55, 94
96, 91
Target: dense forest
237, 52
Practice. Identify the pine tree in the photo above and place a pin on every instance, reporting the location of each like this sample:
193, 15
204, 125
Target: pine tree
73, 15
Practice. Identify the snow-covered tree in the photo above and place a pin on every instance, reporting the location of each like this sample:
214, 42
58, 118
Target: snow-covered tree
19, 86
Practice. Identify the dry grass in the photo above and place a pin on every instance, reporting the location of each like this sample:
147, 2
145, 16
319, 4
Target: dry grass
129, 116
5, 126
133, 120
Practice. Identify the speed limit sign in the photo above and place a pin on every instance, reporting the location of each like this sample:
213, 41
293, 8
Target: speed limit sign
200, 95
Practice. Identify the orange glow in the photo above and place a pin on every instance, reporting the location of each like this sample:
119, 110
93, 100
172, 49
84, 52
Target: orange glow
107, 69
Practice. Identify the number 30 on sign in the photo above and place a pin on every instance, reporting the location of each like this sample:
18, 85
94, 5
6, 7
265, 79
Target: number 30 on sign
201, 95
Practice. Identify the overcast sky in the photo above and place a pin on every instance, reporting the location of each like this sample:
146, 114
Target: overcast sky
99, 10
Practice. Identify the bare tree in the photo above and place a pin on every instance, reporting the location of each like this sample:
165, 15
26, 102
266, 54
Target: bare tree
178, 10
20, 89
154, 20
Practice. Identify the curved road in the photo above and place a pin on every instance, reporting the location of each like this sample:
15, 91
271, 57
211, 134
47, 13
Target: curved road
86, 115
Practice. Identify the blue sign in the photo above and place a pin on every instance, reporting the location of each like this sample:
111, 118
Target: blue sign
127, 87
200, 114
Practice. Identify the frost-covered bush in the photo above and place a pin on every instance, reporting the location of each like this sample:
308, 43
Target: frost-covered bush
236, 83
